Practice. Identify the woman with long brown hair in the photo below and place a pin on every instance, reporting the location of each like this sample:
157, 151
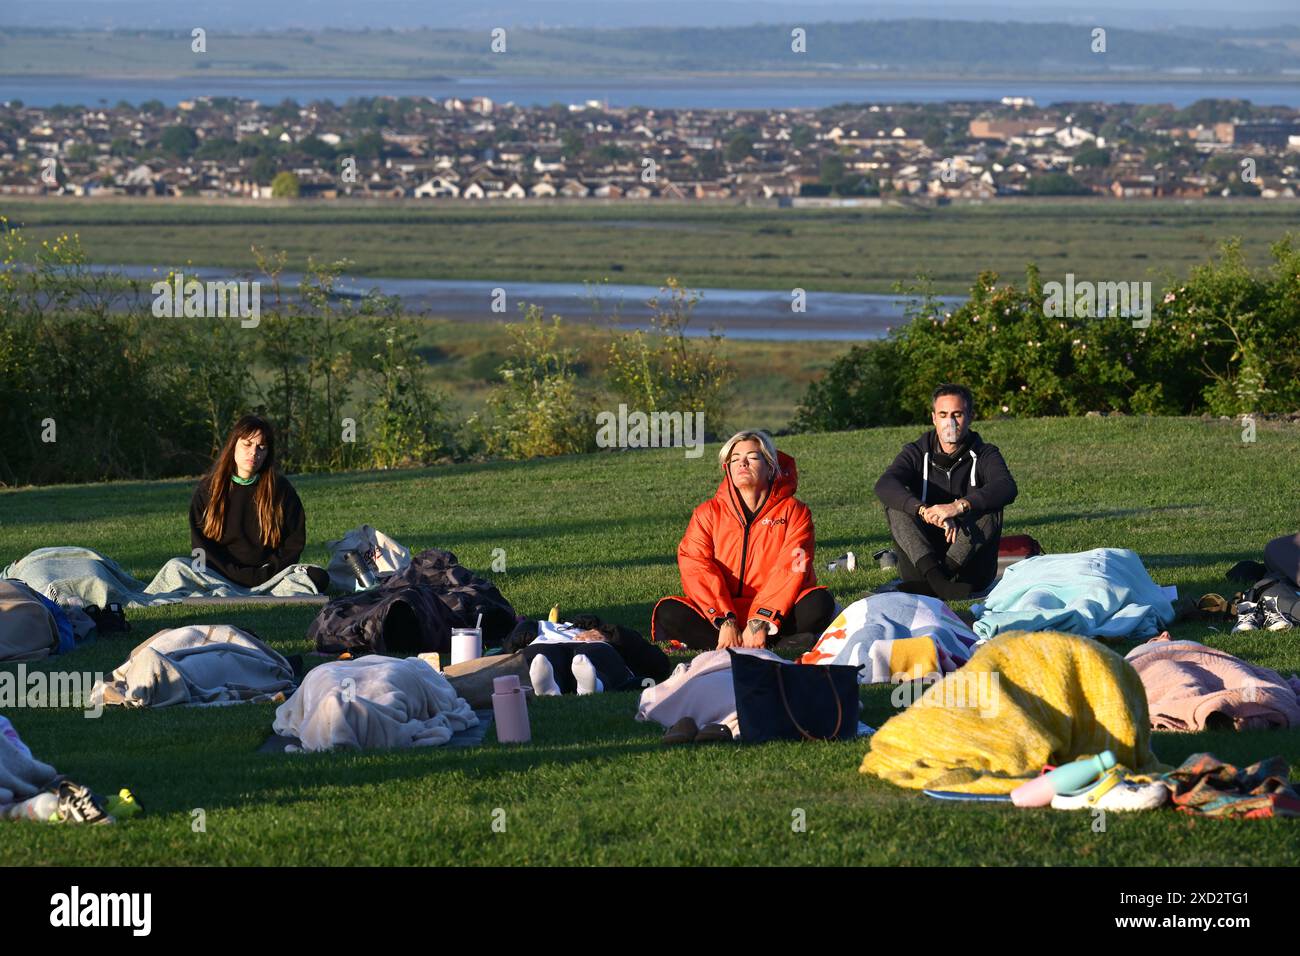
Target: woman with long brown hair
245, 515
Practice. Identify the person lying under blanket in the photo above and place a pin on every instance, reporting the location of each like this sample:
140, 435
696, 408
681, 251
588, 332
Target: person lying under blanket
586, 656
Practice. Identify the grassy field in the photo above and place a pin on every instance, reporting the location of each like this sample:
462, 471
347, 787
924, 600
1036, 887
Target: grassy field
598, 534
829, 250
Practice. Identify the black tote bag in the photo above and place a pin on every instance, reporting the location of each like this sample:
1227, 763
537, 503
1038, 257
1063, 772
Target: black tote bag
779, 701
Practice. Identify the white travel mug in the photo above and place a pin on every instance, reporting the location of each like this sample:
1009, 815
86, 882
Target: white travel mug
466, 644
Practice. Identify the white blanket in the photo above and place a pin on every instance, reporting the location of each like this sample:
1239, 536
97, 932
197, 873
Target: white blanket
373, 702
701, 690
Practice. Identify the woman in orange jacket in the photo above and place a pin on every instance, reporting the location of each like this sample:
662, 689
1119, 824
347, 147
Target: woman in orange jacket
747, 558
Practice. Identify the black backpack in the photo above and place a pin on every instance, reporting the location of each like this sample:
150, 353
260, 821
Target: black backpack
414, 611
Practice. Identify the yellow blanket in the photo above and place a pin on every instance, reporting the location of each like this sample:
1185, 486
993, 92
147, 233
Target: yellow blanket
1024, 700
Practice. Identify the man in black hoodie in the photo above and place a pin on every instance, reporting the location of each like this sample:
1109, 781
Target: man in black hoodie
943, 497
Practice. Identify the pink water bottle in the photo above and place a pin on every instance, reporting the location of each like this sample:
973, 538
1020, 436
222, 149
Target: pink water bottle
510, 710
1066, 778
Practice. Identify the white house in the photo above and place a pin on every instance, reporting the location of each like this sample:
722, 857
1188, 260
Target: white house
438, 187
1073, 136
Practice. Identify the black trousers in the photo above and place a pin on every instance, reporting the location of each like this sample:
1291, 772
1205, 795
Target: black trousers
636, 654
679, 621
972, 559
614, 674
1282, 557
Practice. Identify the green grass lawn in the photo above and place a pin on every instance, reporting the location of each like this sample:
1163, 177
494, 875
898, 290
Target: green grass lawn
598, 534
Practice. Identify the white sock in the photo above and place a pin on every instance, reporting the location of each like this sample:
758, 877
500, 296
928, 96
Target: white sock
584, 672
543, 677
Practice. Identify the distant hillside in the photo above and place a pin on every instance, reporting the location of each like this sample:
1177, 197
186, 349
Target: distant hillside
946, 45
908, 47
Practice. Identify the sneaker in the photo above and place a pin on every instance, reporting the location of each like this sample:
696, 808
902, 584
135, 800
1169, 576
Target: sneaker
1249, 617
1113, 792
77, 804
109, 620
1273, 619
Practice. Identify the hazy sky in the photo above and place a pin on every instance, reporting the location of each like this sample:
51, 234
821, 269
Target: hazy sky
353, 14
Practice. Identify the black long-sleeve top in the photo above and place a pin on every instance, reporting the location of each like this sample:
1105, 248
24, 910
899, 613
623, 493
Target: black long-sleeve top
240, 555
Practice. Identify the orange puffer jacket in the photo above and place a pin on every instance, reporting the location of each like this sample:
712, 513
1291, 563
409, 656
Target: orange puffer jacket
754, 571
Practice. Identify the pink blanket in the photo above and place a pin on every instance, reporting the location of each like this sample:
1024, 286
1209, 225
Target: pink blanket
1193, 687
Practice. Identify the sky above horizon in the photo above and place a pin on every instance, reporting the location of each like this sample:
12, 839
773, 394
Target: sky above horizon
398, 14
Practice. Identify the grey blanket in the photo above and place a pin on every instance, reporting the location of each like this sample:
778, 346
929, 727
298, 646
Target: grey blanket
21, 775
69, 575
209, 665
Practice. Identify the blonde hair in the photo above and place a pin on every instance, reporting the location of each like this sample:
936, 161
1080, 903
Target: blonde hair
765, 447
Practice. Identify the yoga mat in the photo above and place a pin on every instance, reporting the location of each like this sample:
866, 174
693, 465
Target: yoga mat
201, 600
971, 797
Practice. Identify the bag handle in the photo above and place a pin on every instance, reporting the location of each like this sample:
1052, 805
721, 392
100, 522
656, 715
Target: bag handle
839, 705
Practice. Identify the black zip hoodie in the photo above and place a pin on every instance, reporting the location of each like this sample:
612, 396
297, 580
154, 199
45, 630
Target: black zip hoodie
905, 481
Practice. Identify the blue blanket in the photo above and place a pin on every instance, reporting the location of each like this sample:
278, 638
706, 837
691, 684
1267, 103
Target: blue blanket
1105, 592
70, 574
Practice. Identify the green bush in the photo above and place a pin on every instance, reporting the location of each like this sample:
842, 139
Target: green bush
406, 424
858, 391
536, 411
664, 370
93, 387
1222, 343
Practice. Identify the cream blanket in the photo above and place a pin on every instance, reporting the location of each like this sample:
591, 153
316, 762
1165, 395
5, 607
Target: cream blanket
373, 702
